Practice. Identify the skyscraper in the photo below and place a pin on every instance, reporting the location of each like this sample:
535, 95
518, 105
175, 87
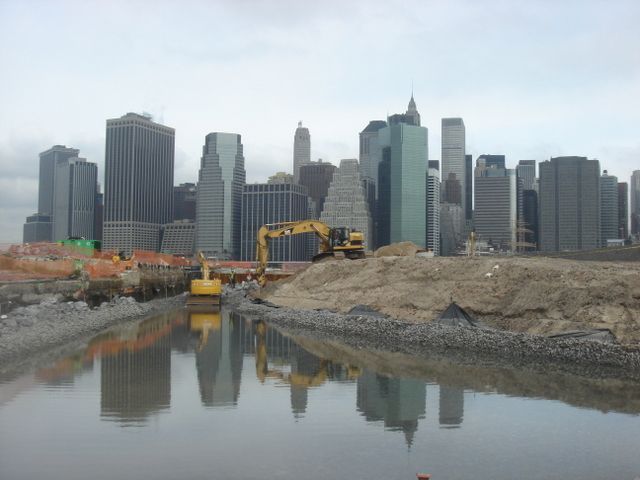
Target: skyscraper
317, 176
569, 201
623, 210
264, 203
433, 207
370, 153
526, 170
401, 173
301, 150
453, 158
219, 197
468, 194
74, 198
48, 160
530, 217
608, 208
497, 161
39, 226
138, 193
495, 200
346, 203
634, 191
184, 201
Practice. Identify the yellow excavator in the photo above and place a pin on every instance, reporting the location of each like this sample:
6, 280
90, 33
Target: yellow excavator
332, 240
204, 291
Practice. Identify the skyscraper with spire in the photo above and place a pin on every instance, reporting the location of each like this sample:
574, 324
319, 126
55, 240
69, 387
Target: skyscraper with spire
401, 173
301, 150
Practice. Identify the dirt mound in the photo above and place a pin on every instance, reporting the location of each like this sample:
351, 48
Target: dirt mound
401, 249
540, 295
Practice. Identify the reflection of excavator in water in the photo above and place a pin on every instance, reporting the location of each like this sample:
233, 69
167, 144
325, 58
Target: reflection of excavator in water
204, 291
202, 322
332, 240
296, 379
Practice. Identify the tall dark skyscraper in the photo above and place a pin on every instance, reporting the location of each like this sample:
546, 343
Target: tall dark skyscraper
623, 210
609, 220
497, 161
468, 186
39, 226
219, 197
370, 154
634, 202
138, 194
98, 214
74, 199
264, 203
569, 201
316, 176
184, 202
48, 160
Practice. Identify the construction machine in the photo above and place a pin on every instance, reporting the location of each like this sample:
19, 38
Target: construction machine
341, 240
204, 291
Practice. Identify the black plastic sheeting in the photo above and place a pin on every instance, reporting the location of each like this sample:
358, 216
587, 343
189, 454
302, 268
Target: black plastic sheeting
603, 335
456, 316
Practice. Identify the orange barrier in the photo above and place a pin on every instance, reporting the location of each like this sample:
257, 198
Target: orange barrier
53, 268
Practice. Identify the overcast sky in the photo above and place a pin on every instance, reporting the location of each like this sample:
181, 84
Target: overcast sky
531, 79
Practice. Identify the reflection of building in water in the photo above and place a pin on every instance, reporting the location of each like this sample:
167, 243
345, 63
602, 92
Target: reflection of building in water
65, 370
281, 358
218, 356
136, 371
399, 402
451, 406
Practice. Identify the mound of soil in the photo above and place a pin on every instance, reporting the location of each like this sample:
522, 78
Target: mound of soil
534, 295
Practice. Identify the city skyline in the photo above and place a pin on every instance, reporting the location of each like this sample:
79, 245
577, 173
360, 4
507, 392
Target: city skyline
529, 96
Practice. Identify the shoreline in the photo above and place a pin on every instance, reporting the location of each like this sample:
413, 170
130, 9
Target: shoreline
470, 346
38, 329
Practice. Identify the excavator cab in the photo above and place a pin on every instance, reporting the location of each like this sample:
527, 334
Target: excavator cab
340, 236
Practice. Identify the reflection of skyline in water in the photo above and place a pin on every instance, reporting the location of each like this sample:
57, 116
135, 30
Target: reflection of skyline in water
398, 402
135, 372
451, 407
135, 377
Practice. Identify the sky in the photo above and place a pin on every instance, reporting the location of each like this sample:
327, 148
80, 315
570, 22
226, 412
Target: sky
531, 79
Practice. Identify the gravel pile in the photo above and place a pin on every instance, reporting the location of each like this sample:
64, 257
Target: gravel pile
51, 323
469, 345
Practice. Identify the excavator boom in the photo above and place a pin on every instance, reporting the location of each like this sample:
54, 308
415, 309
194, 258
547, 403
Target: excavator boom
331, 240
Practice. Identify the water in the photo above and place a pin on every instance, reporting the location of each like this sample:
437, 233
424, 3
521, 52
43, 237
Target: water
195, 396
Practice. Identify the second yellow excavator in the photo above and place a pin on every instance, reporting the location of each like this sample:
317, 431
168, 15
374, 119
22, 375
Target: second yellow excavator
204, 291
332, 240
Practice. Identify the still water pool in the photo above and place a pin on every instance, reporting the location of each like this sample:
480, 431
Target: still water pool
193, 395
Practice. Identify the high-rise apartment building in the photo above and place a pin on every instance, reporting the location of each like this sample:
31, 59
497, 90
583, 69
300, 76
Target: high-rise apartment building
74, 198
219, 197
184, 201
495, 205
264, 203
138, 193
608, 208
634, 201
569, 202
433, 207
346, 203
623, 210
301, 150
402, 187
